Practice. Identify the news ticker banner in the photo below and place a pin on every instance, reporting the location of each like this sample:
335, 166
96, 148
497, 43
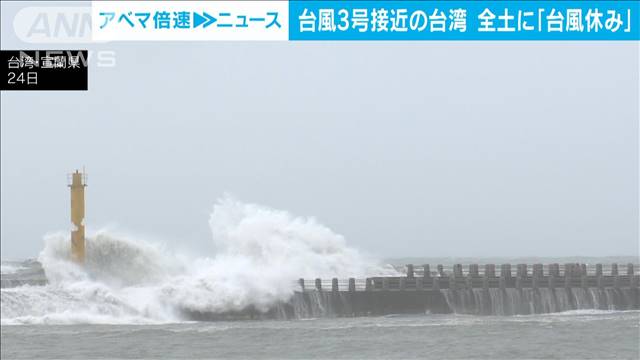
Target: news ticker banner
365, 20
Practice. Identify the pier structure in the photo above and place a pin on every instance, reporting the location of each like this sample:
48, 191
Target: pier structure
534, 276
504, 289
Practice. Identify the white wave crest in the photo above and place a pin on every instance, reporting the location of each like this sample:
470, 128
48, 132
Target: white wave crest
261, 252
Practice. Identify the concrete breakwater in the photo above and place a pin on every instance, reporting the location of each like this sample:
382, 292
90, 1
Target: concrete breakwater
465, 290
29, 272
481, 290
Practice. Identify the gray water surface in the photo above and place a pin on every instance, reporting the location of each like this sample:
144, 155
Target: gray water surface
582, 334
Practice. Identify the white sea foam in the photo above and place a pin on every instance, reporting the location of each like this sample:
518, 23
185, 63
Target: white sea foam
592, 312
261, 252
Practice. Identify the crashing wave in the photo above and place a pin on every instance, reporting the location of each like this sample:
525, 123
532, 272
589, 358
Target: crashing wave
261, 252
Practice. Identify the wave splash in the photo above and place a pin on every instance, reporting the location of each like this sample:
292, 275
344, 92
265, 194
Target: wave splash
260, 254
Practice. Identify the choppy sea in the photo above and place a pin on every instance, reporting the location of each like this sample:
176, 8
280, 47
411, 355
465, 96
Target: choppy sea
570, 335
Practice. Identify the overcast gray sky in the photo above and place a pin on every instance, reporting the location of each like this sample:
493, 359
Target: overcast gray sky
405, 148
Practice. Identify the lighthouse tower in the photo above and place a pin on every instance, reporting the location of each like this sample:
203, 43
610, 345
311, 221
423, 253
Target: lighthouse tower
78, 182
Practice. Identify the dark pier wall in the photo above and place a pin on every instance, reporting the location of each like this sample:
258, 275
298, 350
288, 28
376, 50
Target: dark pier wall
367, 303
511, 290
487, 290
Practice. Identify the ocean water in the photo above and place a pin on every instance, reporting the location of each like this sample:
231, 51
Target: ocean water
132, 299
583, 334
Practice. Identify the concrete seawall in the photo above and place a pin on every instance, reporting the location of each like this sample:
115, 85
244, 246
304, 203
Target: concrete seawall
467, 290
480, 290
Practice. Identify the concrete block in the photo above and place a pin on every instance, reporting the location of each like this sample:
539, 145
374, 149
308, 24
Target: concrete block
598, 269
473, 270
538, 270
410, 270
554, 269
568, 269
490, 270
427, 270
505, 270
457, 270
521, 270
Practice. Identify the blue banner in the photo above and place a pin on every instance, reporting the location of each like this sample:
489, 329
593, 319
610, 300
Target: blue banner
464, 20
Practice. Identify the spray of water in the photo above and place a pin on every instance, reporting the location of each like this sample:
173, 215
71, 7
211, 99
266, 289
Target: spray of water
260, 253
